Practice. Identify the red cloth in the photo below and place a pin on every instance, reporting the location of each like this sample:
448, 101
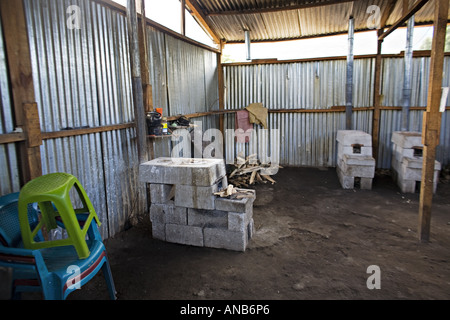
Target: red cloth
243, 128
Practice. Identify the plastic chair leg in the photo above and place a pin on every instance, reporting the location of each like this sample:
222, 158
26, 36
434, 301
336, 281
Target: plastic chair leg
72, 227
106, 269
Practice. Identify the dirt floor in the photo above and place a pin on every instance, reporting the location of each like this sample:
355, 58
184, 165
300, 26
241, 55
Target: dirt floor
313, 240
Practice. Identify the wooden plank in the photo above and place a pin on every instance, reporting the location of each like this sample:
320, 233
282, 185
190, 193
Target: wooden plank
12, 138
22, 88
32, 125
377, 101
138, 95
416, 54
148, 98
142, 39
198, 14
221, 83
416, 7
432, 119
183, 17
83, 131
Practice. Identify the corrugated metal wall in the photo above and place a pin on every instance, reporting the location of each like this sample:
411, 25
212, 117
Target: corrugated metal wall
82, 79
184, 81
392, 93
309, 139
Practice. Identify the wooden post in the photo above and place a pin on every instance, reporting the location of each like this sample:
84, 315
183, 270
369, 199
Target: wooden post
183, 17
377, 100
221, 92
138, 96
432, 119
145, 70
22, 88
221, 86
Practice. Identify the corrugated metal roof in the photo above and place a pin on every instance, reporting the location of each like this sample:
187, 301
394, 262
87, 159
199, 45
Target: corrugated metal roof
285, 19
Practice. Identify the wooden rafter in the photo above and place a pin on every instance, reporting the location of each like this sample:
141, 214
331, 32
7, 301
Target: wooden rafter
416, 7
387, 13
202, 19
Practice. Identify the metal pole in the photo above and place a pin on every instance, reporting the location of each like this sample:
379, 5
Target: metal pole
248, 44
407, 75
138, 96
349, 86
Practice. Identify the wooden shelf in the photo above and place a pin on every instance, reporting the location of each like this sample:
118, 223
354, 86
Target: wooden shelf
159, 137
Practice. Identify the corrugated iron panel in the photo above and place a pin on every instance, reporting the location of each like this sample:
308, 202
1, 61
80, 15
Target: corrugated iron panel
303, 85
158, 69
304, 22
308, 139
188, 70
82, 79
425, 14
9, 175
125, 196
392, 93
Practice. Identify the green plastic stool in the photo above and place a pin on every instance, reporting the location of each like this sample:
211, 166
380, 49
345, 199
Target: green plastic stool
51, 193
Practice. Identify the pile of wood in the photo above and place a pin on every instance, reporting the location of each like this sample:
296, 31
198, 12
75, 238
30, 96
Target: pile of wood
248, 172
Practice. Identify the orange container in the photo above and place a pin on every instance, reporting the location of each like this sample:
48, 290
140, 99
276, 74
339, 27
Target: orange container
160, 111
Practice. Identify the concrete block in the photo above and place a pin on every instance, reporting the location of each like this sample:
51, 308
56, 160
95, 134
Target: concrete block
407, 139
364, 151
406, 173
407, 186
357, 166
196, 197
159, 231
347, 182
157, 213
366, 183
417, 163
251, 229
207, 218
238, 221
366, 161
168, 213
351, 137
402, 152
184, 171
160, 193
226, 239
236, 205
187, 235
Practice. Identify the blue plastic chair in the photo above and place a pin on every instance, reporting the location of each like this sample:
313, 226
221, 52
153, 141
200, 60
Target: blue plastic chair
56, 271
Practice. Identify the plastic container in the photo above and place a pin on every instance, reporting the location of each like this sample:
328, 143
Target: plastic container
164, 126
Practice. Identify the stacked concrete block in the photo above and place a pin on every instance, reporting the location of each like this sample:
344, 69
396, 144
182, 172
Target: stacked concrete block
407, 161
184, 209
355, 159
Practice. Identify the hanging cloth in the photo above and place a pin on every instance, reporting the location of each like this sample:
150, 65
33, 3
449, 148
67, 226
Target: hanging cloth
258, 114
243, 126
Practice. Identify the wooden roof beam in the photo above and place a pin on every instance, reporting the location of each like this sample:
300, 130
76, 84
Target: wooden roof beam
201, 18
277, 9
387, 13
416, 7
